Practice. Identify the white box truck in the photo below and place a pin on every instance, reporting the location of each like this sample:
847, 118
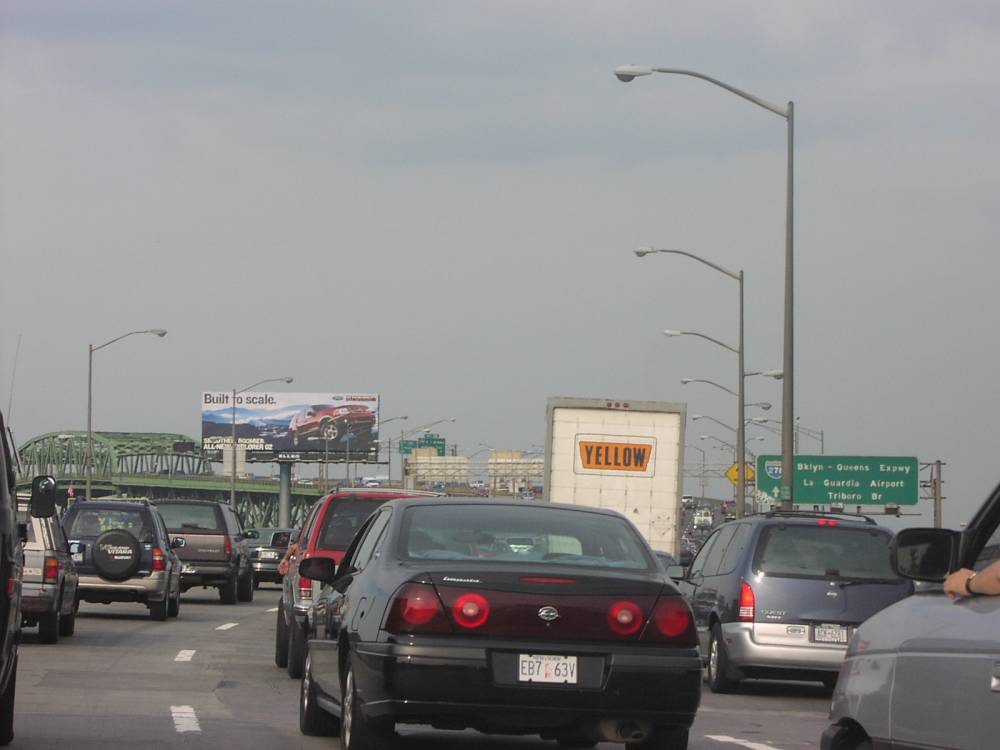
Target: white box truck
622, 455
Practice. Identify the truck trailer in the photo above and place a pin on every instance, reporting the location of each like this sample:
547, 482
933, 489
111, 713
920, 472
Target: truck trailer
622, 455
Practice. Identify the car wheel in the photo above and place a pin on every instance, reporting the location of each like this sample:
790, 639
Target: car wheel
281, 638
665, 738
329, 431
313, 720
67, 624
227, 591
356, 731
830, 682
48, 626
718, 664
296, 650
158, 610
7, 707
244, 588
174, 606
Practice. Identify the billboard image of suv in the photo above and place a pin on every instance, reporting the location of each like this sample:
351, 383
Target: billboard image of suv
294, 426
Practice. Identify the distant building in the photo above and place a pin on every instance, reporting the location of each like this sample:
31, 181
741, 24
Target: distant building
425, 466
512, 472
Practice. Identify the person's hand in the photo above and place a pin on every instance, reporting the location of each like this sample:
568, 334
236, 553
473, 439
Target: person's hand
283, 566
954, 584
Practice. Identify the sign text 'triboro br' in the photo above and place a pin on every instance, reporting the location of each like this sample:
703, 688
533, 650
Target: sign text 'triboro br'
605, 455
845, 480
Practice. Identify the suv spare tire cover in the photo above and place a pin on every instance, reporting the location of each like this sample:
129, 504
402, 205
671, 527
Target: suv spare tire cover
116, 555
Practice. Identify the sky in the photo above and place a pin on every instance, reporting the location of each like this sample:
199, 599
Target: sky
437, 201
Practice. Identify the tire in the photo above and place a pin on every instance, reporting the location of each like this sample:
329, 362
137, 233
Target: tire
664, 738
313, 720
7, 706
49, 626
829, 682
67, 625
116, 555
281, 638
244, 588
329, 431
356, 731
256, 583
227, 591
296, 650
718, 664
158, 610
174, 606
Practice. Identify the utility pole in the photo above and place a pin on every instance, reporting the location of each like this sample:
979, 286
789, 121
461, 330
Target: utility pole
936, 490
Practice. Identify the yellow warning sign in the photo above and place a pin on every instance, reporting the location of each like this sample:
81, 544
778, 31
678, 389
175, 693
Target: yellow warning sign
749, 475
607, 456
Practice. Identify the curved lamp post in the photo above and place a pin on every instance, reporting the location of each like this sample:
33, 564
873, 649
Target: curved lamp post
90, 395
232, 479
626, 73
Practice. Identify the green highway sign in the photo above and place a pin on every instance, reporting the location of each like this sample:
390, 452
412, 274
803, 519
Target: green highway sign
406, 446
433, 441
844, 480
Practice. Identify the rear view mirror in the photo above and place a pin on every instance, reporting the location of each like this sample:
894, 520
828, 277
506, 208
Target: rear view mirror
319, 569
676, 572
925, 554
43, 496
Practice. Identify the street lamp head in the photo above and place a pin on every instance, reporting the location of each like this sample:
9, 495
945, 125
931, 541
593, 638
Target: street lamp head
159, 332
696, 417
643, 251
671, 333
685, 381
776, 374
626, 73
288, 380
761, 405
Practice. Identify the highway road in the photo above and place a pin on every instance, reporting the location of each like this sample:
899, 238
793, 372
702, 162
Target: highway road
207, 680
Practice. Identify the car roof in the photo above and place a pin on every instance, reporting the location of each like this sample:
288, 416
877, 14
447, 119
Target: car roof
111, 504
500, 501
187, 501
808, 517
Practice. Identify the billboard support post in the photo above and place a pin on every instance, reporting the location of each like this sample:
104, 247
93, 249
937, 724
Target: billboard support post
284, 494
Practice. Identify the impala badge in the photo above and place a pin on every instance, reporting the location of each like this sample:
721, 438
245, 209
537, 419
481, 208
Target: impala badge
548, 613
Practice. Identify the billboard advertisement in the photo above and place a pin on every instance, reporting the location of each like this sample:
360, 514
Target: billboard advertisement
292, 426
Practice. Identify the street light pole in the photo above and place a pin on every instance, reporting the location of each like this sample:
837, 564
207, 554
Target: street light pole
626, 73
232, 479
90, 397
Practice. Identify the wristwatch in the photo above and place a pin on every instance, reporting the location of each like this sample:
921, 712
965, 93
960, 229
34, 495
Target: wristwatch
968, 588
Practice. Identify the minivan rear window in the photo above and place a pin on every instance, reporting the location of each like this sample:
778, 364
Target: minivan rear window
343, 519
191, 518
824, 551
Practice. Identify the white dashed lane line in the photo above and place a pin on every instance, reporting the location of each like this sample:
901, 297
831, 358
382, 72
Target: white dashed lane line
185, 719
227, 626
184, 655
748, 744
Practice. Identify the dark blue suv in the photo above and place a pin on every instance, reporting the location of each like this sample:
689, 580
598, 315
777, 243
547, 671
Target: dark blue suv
779, 595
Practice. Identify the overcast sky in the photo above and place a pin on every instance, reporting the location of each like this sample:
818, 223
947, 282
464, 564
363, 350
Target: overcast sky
437, 201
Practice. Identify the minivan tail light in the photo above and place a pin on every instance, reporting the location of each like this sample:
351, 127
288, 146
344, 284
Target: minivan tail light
625, 618
51, 570
747, 603
158, 561
229, 546
416, 608
672, 622
305, 588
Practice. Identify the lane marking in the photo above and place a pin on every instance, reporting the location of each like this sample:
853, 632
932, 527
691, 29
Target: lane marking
184, 655
227, 626
185, 719
758, 711
750, 745
273, 609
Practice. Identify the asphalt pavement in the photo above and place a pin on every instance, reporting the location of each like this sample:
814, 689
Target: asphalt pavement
207, 680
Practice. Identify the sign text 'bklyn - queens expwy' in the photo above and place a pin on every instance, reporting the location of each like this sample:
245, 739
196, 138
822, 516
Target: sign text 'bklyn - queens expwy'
845, 480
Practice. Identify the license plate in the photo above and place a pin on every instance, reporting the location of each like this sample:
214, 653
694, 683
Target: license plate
830, 634
546, 668
267, 554
188, 569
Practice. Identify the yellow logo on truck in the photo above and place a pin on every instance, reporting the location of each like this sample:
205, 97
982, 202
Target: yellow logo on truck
605, 456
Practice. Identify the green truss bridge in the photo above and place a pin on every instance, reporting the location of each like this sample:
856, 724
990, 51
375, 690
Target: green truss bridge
146, 464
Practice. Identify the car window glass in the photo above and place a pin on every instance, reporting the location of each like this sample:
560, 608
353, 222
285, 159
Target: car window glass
343, 519
990, 551
24, 517
714, 557
92, 522
734, 551
58, 540
372, 538
187, 518
823, 551
351, 555
699, 560
307, 527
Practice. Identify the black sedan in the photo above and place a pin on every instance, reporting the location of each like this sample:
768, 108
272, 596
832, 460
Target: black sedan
508, 617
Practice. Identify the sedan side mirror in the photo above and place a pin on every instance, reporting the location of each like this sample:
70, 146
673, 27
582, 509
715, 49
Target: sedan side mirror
177, 542
676, 572
43, 496
925, 554
320, 569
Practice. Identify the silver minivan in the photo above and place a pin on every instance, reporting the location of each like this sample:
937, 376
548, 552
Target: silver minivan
925, 672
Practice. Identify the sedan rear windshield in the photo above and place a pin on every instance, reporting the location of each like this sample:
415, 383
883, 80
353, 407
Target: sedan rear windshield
343, 519
824, 551
515, 534
279, 539
92, 522
193, 518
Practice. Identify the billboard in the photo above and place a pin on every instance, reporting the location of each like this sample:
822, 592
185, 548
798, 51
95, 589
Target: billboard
292, 426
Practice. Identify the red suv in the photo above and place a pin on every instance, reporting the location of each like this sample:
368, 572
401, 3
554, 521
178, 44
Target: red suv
327, 532
329, 422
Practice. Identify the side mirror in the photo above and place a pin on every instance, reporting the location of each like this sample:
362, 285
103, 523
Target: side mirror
676, 572
319, 569
76, 548
22, 532
925, 554
43, 496
177, 542
252, 534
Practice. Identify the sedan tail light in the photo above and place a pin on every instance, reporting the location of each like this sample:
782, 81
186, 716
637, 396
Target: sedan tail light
158, 561
51, 574
625, 618
672, 621
471, 611
416, 608
747, 603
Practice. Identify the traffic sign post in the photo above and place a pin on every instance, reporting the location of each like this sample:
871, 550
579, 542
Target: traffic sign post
844, 480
